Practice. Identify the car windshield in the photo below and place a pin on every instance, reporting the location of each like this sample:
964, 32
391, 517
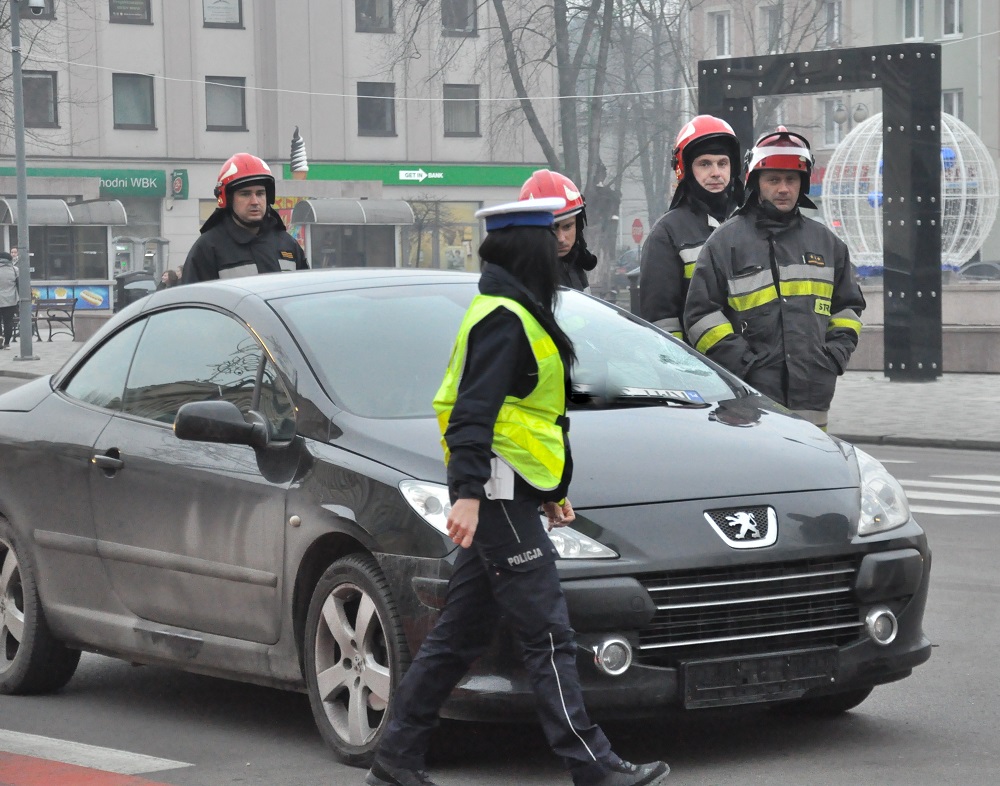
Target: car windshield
381, 352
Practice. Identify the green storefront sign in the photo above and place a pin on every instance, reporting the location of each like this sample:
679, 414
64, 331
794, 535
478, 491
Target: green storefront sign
423, 174
114, 182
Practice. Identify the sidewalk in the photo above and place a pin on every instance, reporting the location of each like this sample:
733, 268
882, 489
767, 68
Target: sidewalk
954, 411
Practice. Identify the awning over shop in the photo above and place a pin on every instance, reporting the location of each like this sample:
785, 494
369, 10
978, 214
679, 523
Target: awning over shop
41, 212
352, 212
100, 212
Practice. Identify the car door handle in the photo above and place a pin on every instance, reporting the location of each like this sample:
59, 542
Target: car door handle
106, 462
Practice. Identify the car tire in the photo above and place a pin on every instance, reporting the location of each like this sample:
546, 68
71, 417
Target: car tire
826, 706
355, 653
31, 660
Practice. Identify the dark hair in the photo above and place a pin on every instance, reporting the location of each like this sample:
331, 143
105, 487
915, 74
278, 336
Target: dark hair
531, 255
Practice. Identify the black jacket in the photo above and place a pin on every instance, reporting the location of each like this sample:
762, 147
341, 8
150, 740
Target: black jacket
226, 250
574, 266
498, 363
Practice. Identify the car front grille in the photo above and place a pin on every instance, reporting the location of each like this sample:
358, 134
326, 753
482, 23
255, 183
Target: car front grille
746, 610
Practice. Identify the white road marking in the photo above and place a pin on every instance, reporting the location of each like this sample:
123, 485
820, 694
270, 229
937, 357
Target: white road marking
931, 511
941, 497
93, 756
991, 478
940, 484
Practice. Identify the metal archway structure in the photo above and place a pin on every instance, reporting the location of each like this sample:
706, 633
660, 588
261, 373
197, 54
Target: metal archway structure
909, 76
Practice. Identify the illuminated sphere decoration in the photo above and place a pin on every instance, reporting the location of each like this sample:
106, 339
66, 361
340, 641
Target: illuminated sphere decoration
852, 193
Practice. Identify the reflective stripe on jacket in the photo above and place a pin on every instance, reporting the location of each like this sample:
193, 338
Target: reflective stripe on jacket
667, 263
778, 305
529, 431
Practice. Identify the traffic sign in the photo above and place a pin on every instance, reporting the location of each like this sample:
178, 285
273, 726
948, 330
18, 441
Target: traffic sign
637, 232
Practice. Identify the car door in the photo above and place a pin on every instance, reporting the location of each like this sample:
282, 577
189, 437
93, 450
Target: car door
192, 534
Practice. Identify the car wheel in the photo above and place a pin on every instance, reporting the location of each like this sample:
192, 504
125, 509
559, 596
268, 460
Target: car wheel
31, 660
826, 706
355, 653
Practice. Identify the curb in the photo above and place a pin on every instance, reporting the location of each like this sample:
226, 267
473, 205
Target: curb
920, 442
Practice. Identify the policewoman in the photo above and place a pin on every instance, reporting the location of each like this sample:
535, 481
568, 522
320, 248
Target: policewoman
502, 412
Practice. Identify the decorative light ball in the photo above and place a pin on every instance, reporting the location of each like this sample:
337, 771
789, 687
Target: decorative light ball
853, 193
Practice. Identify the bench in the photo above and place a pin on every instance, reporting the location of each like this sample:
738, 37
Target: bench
57, 313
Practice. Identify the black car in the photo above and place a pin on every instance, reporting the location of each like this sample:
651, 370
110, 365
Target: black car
244, 478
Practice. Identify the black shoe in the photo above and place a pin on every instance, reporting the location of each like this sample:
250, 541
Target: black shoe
626, 774
382, 774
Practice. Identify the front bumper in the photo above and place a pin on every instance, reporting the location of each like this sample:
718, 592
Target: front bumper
497, 687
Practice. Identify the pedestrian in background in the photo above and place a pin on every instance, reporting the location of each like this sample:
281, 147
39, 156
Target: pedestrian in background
706, 161
168, 279
502, 412
245, 235
8, 297
575, 259
773, 297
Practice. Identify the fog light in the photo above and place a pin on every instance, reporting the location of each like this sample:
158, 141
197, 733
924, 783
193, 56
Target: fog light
882, 626
613, 656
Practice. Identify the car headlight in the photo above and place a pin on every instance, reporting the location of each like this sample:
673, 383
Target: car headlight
432, 503
883, 501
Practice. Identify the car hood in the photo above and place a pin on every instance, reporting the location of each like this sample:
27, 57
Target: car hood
647, 455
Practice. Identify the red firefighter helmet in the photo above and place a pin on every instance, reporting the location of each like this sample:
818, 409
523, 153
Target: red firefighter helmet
781, 149
545, 183
240, 170
701, 129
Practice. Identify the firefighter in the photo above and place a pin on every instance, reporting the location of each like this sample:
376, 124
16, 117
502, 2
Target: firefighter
773, 297
245, 235
502, 412
706, 161
575, 259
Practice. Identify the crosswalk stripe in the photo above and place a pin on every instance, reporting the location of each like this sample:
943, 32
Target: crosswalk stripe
942, 497
991, 478
939, 484
928, 510
78, 753
28, 771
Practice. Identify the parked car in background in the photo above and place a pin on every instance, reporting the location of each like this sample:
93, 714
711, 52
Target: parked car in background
244, 478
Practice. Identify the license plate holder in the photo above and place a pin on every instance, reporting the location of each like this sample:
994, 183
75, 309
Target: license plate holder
750, 679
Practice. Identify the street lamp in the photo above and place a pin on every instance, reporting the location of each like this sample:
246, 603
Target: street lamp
36, 7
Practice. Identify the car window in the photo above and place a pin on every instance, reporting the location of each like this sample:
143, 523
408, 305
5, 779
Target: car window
101, 379
196, 354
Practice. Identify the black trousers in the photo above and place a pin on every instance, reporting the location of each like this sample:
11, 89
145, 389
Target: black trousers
9, 316
480, 591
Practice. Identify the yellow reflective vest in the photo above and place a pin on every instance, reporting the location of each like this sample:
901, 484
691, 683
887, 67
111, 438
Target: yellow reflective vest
529, 432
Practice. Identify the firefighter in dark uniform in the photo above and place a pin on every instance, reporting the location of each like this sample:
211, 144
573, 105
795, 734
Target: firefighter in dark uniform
502, 412
774, 298
245, 235
706, 162
575, 259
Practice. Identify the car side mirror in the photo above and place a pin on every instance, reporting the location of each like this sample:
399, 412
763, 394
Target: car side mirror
220, 421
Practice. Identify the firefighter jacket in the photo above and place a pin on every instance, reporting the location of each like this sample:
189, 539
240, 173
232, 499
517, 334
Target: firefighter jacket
667, 263
226, 250
774, 300
504, 394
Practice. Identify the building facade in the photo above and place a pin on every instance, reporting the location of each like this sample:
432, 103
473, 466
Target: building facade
131, 106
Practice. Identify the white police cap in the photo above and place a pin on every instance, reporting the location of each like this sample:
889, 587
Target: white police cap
523, 213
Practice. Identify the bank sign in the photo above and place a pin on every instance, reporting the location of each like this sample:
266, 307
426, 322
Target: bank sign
416, 174
114, 182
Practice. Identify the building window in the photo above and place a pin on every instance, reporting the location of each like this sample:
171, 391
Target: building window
225, 103
132, 96
130, 12
953, 103
222, 13
913, 19
952, 23
461, 110
40, 99
771, 28
718, 26
376, 109
833, 131
831, 23
373, 16
47, 13
458, 17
